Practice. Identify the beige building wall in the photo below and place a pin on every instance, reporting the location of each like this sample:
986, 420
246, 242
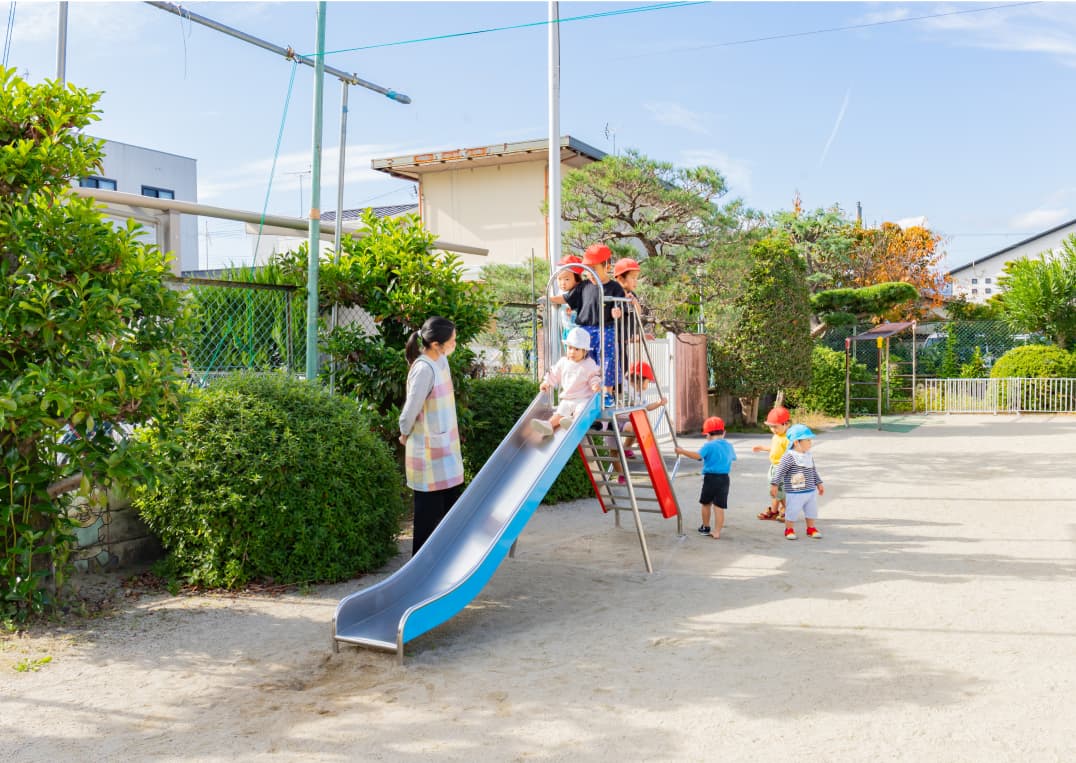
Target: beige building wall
496, 207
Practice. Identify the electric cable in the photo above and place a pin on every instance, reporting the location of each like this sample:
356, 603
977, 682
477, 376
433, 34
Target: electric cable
272, 170
587, 17
10, 30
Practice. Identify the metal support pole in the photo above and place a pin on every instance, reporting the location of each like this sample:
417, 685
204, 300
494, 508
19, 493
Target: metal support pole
338, 233
553, 255
287, 53
61, 44
847, 383
914, 335
878, 379
313, 254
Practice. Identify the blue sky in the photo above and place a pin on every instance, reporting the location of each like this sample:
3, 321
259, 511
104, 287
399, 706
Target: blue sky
964, 119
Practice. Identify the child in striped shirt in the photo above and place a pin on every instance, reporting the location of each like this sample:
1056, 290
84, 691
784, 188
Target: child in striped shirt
797, 473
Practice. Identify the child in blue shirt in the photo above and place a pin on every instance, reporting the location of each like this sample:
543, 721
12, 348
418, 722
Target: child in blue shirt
717, 456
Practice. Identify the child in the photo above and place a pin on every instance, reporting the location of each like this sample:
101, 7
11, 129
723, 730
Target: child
568, 280
777, 420
717, 456
639, 377
578, 377
587, 302
626, 272
796, 471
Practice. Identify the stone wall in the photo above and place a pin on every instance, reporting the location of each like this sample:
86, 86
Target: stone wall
111, 537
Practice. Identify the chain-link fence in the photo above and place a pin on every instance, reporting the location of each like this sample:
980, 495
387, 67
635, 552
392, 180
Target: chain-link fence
510, 345
948, 349
243, 326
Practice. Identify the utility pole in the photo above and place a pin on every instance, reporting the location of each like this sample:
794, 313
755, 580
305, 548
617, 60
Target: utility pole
554, 132
61, 44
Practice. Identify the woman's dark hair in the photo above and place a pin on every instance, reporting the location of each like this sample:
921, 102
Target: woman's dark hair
435, 329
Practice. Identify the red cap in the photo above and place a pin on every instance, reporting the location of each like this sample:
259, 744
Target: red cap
642, 369
713, 424
778, 415
597, 253
623, 266
571, 259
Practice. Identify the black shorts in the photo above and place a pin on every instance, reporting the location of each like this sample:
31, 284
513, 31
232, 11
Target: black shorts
715, 490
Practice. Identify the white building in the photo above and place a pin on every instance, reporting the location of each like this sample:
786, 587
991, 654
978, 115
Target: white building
145, 172
978, 280
489, 196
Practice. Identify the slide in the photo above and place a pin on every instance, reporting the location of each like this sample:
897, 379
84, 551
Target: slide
464, 551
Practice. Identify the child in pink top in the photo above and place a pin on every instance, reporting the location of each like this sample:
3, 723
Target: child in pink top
578, 378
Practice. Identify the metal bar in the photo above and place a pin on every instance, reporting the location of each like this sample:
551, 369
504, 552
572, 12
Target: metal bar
135, 201
61, 44
313, 257
288, 53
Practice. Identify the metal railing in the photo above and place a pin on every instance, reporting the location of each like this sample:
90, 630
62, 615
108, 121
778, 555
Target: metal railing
1007, 395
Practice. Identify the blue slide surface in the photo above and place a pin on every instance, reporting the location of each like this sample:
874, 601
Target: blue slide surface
465, 550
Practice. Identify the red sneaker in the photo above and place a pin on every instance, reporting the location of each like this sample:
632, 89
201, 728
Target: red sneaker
814, 532
790, 533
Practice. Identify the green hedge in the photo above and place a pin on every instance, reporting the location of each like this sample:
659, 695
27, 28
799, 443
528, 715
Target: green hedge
274, 479
495, 406
1035, 361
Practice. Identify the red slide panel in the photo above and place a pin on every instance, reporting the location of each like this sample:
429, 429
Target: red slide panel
654, 463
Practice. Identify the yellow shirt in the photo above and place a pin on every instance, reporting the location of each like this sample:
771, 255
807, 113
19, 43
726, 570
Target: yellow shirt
778, 446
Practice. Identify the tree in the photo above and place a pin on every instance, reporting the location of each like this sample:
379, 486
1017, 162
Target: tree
824, 239
1040, 294
90, 336
910, 255
396, 276
836, 307
692, 249
513, 287
769, 347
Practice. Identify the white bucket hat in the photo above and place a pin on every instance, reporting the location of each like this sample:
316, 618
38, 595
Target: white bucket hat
578, 338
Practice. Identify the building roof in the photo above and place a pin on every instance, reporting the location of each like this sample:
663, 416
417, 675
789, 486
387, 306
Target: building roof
1009, 248
391, 210
573, 152
881, 331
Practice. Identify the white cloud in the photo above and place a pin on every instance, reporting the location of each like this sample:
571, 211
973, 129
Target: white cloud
737, 172
672, 114
883, 17
1047, 28
913, 222
1038, 219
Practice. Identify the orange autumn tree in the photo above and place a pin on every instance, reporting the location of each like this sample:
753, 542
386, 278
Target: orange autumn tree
911, 255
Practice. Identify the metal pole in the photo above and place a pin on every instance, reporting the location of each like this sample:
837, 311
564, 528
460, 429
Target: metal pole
313, 255
847, 382
338, 233
287, 53
915, 326
553, 255
61, 44
878, 379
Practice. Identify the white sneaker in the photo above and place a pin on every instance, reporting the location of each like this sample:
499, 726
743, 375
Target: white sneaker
566, 422
541, 426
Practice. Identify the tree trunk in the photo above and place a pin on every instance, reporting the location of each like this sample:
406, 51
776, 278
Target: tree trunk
749, 406
780, 400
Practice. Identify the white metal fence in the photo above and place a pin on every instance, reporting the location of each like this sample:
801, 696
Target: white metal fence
1009, 395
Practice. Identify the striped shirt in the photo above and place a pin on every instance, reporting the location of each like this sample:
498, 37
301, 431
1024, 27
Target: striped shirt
796, 473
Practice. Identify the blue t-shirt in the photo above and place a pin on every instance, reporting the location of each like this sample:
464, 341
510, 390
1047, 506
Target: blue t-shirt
717, 456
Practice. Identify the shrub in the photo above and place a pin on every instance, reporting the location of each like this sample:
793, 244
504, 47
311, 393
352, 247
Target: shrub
1035, 361
274, 478
496, 404
825, 393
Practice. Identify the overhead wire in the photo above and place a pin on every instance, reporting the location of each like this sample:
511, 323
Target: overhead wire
272, 170
10, 30
828, 30
586, 17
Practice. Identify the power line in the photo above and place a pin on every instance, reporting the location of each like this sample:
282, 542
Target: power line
587, 17
10, 29
827, 30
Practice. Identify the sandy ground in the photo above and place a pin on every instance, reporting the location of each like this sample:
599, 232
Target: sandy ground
935, 621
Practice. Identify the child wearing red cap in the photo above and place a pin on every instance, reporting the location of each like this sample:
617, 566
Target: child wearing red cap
639, 377
778, 420
589, 306
717, 456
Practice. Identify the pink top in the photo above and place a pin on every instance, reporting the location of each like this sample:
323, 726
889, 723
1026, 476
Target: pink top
575, 380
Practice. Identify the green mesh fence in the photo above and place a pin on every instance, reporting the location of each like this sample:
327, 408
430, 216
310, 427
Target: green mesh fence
243, 326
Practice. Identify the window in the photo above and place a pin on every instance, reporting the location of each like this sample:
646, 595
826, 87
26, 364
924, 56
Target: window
974, 280
158, 193
988, 280
974, 291
988, 290
104, 184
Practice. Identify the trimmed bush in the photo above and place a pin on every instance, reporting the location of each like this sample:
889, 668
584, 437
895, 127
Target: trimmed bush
495, 405
825, 393
274, 479
1035, 361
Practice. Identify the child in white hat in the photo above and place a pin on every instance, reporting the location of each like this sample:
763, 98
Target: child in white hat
578, 378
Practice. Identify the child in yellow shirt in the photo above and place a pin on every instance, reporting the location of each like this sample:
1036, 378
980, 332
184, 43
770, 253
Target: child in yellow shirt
777, 420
